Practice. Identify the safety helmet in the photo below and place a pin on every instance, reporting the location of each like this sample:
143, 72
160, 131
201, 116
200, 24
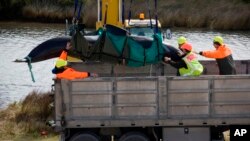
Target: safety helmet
60, 63
187, 46
141, 16
218, 39
181, 40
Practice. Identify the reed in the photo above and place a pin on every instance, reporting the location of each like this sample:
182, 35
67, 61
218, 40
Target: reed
35, 106
28, 116
47, 13
210, 14
89, 13
219, 14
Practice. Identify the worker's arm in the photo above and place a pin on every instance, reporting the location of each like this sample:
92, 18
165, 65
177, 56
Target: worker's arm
176, 64
64, 53
211, 54
79, 75
221, 52
71, 74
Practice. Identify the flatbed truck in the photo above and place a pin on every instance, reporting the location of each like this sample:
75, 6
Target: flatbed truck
150, 103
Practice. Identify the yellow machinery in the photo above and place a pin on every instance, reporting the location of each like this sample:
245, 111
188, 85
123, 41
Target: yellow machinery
109, 12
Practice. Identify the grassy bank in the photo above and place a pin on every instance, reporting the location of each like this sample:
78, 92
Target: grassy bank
26, 120
213, 14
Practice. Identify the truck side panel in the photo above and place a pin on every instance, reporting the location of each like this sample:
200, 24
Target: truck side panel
153, 101
188, 98
231, 97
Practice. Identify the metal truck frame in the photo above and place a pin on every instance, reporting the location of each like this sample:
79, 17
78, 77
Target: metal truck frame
151, 104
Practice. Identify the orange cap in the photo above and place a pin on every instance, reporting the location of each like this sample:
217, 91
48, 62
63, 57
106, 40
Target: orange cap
187, 46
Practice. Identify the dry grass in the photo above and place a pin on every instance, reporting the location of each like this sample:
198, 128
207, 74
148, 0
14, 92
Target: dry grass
89, 13
26, 117
46, 13
217, 14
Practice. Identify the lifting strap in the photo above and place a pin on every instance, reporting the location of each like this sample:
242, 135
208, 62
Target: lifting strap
30, 68
156, 18
75, 8
106, 14
123, 12
149, 12
129, 14
79, 12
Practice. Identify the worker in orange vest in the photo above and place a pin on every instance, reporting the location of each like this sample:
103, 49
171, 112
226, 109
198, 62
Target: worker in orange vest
63, 72
223, 56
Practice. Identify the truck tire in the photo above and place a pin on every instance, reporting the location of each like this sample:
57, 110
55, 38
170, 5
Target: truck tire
85, 137
134, 136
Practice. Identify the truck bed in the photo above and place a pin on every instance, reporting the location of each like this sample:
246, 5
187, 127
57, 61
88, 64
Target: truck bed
152, 101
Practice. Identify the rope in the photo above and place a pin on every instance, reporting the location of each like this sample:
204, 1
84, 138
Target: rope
149, 12
156, 17
100, 10
30, 68
79, 12
74, 13
76, 4
106, 14
129, 14
123, 12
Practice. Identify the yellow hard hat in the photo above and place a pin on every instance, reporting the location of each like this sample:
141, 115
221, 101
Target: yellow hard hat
141, 16
60, 63
181, 40
218, 39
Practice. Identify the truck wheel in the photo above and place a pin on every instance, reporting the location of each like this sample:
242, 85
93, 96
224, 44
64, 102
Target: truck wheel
134, 136
85, 137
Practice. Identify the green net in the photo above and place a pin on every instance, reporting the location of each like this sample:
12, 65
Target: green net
115, 44
118, 41
140, 50
144, 51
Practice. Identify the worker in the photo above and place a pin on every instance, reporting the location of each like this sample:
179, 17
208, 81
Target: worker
188, 65
63, 72
223, 56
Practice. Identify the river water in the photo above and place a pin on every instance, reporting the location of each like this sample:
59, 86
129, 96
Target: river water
18, 39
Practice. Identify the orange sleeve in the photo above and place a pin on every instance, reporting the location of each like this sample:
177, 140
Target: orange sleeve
221, 52
71, 74
63, 55
79, 75
211, 54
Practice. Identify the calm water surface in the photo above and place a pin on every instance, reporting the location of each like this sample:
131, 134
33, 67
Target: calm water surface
18, 39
